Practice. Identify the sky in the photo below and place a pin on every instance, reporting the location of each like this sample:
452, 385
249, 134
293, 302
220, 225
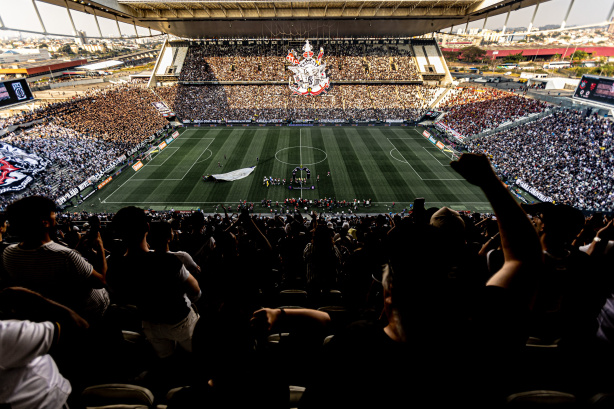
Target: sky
583, 12
20, 14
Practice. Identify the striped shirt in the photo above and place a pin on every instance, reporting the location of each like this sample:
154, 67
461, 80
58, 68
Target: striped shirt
58, 273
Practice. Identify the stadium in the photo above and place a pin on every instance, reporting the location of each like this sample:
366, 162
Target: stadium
300, 205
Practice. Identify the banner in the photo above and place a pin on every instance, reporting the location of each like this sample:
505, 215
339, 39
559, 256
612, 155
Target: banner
445, 127
137, 166
175, 134
105, 182
533, 191
161, 107
162, 145
230, 176
18, 168
426, 134
440, 145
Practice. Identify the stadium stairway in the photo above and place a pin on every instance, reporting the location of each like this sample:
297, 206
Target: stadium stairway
439, 98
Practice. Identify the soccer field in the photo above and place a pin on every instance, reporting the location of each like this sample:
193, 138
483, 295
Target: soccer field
384, 164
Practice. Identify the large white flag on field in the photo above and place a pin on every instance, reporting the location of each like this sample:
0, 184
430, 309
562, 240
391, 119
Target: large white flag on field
234, 175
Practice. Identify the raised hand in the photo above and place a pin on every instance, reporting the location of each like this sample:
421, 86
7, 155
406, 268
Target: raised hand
475, 168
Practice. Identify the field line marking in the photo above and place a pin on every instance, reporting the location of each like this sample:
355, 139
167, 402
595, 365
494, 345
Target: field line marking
168, 147
122, 185
230, 202
412, 168
426, 148
415, 130
150, 202
428, 201
201, 154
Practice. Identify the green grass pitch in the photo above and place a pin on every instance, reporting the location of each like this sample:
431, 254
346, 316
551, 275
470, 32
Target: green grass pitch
384, 164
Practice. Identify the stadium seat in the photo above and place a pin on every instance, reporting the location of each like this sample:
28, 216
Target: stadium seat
331, 297
339, 316
292, 297
296, 392
602, 400
542, 398
117, 395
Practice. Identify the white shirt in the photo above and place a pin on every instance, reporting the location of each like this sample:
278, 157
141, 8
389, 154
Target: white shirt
29, 378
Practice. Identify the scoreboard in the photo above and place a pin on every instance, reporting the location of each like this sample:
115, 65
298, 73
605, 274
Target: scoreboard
596, 89
14, 92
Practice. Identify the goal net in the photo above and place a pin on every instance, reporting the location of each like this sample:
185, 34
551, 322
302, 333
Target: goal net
150, 154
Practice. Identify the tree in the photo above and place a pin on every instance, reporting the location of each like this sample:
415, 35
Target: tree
66, 49
513, 57
472, 53
556, 57
43, 45
579, 55
451, 55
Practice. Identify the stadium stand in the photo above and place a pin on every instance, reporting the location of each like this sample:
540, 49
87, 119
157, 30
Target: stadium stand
252, 335
83, 136
312, 306
473, 110
566, 155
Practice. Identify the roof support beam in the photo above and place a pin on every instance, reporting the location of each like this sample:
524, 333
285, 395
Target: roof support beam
505, 24
223, 10
70, 17
189, 9
174, 11
40, 20
98, 25
395, 8
344, 4
413, 8
567, 14
360, 8
202, 7
119, 30
240, 10
533, 18
377, 8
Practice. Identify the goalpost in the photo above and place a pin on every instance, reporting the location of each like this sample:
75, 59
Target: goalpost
451, 153
150, 154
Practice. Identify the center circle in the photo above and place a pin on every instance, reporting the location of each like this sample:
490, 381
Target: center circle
302, 148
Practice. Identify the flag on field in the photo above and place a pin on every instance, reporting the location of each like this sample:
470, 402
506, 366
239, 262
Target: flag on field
234, 175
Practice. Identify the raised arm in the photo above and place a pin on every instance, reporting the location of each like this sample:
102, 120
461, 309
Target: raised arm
519, 240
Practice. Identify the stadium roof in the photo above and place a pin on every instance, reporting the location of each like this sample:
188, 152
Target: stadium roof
40, 67
100, 65
263, 18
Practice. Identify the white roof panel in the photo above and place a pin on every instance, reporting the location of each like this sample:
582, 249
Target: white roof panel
100, 65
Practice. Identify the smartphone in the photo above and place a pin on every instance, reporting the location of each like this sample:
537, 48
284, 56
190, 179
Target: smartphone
419, 203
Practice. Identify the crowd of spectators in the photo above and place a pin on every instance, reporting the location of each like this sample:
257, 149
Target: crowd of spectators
82, 136
353, 62
374, 302
473, 110
567, 156
276, 102
72, 155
